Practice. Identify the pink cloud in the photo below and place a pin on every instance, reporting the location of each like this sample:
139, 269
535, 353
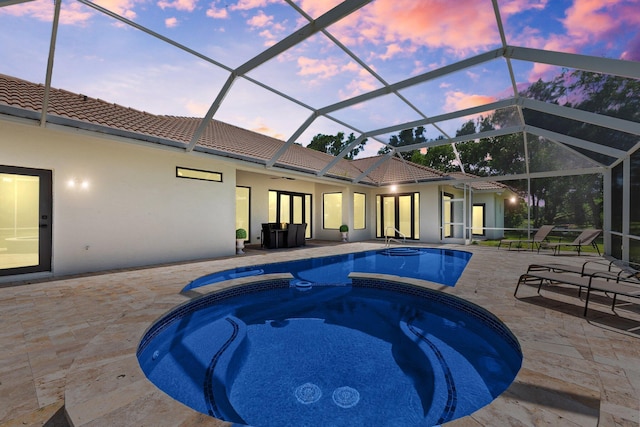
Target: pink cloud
587, 18
404, 25
216, 13
513, 7
357, 87
252, 4
419, 68
70, 13
121, 7
456, 100
262, 128
260, 20
187, 5
171, 22
315, 67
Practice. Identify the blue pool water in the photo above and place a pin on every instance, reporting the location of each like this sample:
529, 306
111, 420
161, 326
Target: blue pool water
436, 265
371, 353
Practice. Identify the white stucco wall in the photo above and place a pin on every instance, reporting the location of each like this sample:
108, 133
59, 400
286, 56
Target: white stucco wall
135, 211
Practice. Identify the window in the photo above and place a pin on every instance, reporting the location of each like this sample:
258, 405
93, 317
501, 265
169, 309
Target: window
198, 174
332, 210
243, 209
359, 211
478, 219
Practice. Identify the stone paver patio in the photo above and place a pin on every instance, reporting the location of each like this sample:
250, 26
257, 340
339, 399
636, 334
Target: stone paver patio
67, 346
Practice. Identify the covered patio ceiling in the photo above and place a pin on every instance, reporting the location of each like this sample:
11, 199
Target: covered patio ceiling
293, 69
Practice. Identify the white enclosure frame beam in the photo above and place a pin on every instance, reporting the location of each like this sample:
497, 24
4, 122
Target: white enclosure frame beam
576, 142
616, 67
582, 116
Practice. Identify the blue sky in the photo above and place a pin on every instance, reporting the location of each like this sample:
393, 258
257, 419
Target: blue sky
101, 57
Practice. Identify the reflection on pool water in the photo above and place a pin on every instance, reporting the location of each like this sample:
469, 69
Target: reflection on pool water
436, 265
371, 353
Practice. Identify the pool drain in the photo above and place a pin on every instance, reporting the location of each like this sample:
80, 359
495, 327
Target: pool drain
346, 397
308, 393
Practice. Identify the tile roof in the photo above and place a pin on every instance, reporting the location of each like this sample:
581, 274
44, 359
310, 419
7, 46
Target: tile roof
481, 185
219, 138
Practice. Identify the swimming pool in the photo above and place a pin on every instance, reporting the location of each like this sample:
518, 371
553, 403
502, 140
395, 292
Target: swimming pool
436, 265
370, 353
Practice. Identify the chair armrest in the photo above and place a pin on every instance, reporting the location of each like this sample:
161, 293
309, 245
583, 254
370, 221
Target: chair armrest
608, 265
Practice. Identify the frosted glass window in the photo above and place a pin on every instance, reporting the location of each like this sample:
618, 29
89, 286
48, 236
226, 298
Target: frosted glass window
359, 211
242, 209
477, 220
332, 210
198, 174
273, 206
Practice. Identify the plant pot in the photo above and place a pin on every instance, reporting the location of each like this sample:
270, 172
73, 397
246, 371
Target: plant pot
239, 246
345, 236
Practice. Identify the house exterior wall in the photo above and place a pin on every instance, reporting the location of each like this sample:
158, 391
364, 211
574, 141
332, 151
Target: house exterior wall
135, 211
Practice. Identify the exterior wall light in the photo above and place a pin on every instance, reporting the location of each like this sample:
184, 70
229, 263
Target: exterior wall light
78, 183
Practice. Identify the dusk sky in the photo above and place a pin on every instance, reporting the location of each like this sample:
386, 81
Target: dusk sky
99, 56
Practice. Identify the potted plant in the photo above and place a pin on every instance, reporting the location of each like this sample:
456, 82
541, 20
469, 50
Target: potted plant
241, 236
344, 230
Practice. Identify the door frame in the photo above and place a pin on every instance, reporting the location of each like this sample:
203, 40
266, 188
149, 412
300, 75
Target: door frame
380, 230
45, 220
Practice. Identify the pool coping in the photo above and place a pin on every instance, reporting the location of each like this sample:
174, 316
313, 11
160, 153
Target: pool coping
106, 386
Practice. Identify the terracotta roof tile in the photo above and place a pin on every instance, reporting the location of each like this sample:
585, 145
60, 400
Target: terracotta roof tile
396, 171
220, 138
480, 185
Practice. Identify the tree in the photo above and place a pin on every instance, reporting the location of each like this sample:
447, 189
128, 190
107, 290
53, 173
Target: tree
440, 157
334, 144
404, 138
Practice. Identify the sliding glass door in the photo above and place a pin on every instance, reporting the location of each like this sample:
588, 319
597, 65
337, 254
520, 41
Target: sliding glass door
398, 215
292, 208
25, 220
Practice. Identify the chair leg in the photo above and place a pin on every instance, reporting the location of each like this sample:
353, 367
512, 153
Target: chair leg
517, 286
586, 302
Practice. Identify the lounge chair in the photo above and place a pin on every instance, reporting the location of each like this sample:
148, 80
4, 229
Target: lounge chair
614, 269
587, 237
600, 281
538, 238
